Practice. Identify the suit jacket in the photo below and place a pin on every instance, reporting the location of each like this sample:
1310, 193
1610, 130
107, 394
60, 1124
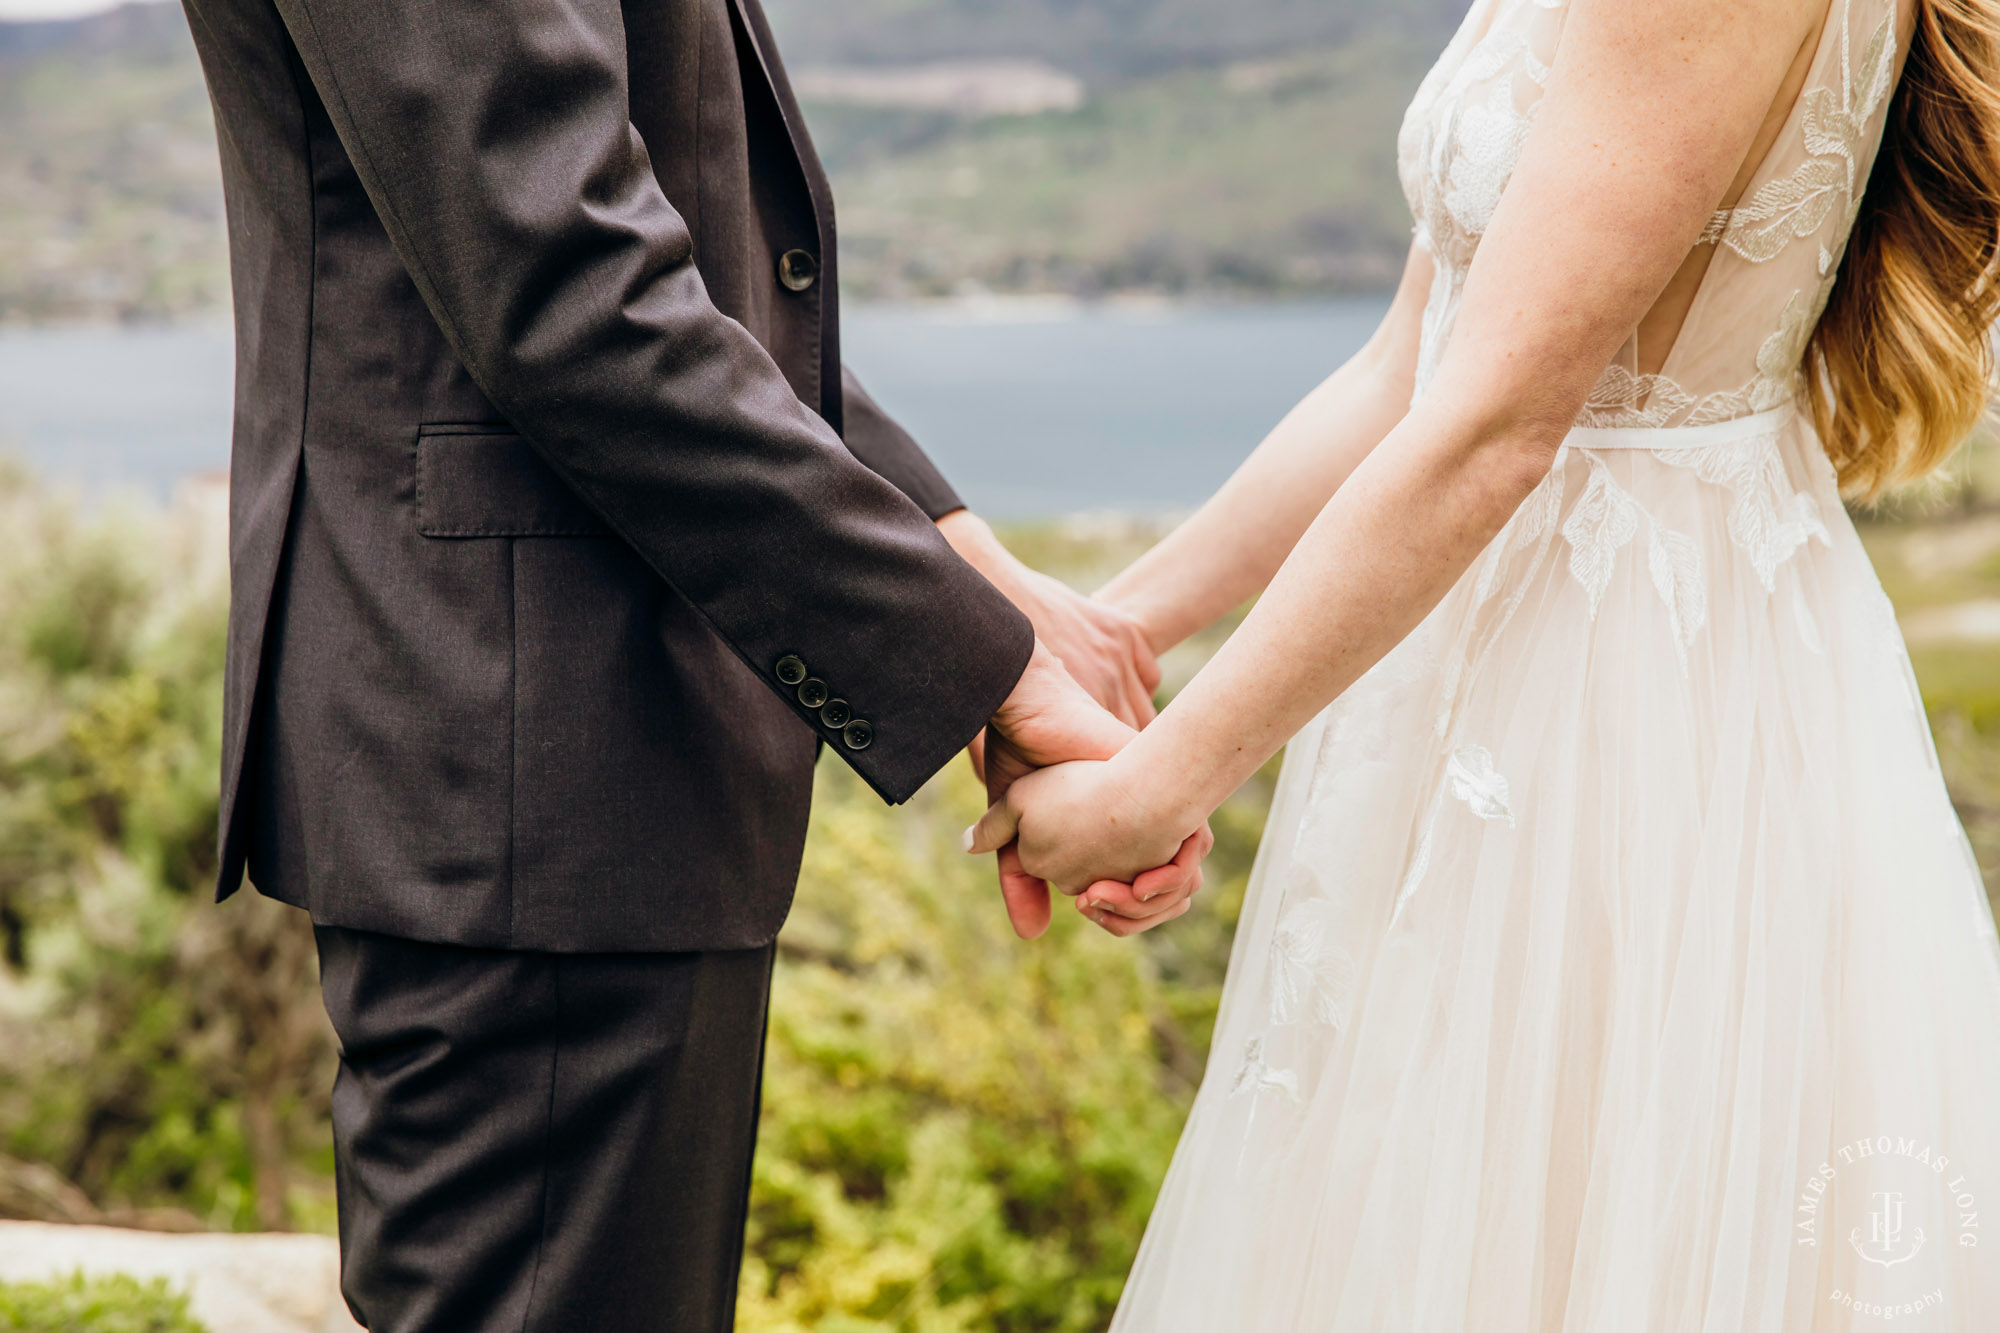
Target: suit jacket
551, 568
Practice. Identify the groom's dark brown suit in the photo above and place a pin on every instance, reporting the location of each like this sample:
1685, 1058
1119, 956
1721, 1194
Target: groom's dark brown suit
560, 542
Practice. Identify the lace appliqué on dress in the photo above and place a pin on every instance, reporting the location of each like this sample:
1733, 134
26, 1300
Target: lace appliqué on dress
1795, 207
1768, 520
1605, 518
1471, 776
1604, 521
1474, 780
1312, 977
1254, 1076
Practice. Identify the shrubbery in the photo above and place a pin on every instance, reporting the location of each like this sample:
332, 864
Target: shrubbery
961, 1131
164, 1056
94, 1305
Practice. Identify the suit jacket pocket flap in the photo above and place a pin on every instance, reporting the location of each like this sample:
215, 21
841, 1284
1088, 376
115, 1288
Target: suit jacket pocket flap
473, 481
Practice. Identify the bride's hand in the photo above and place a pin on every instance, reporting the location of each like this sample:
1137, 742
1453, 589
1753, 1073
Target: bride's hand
1086, 831
1104, 649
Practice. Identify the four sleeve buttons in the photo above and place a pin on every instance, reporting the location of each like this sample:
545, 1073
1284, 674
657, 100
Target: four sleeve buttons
836, 715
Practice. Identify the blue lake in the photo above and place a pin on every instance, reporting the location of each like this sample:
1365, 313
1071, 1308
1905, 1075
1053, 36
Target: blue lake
1031, 408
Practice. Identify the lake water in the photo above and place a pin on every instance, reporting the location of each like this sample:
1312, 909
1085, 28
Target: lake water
1031, 408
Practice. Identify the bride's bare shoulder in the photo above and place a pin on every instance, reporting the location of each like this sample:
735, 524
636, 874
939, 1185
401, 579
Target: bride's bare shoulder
1699, 22
1661, 42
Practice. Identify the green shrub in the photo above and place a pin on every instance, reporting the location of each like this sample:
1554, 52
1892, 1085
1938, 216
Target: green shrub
79, 1304
963, 1131
166, 1056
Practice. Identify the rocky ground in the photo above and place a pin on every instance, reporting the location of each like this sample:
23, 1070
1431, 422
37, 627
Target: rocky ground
235, 1283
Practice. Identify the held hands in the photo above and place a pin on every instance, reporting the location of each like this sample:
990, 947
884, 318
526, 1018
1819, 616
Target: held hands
1049, 720
1103, 649
1085, 650
1085, 829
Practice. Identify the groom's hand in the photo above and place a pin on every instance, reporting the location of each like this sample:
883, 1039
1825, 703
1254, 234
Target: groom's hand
1048, 719
1103, 649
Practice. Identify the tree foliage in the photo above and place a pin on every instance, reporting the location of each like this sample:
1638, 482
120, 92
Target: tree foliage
961, 1130
165, 1057
78, 1304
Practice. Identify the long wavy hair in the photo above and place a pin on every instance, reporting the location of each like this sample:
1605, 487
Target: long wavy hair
1901, 365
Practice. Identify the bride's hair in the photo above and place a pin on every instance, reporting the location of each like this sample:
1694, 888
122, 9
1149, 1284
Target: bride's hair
1901, 364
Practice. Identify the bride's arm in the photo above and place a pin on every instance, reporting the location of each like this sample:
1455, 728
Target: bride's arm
1228, 551
1649, 112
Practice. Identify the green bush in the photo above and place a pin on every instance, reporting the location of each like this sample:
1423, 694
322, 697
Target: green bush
963, 1131
94, 1305
165, 1056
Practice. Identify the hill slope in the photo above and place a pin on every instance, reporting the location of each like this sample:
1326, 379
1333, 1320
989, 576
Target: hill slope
110, 193
1103, 40
1200, 161
1263, 177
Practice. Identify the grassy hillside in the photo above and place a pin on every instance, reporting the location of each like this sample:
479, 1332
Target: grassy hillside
1106, 41
1210, 155
1263, 176
110, 194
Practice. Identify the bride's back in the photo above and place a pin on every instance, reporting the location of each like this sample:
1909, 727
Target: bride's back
1728, 336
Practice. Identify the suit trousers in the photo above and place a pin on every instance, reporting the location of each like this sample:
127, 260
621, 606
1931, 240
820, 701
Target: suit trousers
538, 1142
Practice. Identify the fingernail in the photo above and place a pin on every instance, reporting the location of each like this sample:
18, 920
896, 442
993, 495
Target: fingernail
971, 831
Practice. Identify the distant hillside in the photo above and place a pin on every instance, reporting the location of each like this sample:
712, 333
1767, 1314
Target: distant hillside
1222, 145
110, 194
1102, 40
1268, 177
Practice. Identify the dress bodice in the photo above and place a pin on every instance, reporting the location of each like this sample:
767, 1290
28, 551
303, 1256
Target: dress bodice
1777, 251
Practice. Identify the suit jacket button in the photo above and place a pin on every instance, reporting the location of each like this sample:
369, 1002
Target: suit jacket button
791, 670
836, 713
813, 692
797, 269
858, 734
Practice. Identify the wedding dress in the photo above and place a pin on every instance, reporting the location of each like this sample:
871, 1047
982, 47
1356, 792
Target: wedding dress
1614, 961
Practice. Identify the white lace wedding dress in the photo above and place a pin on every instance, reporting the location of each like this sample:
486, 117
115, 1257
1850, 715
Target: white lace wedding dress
1615, 962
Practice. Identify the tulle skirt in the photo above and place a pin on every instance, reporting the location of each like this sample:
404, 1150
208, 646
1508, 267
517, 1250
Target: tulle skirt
1614, 962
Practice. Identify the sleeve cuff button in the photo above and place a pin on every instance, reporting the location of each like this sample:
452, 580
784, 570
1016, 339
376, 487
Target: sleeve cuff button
791, 669
858, 734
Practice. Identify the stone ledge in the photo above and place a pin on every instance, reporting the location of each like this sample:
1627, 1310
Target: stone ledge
235, 1283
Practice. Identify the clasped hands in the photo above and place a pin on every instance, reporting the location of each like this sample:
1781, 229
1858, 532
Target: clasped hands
1065, 813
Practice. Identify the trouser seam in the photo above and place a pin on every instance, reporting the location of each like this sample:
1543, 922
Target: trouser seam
734, 1274
548, 1140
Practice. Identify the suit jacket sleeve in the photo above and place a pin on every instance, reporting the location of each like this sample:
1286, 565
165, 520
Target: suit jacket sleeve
879, 441
493, 139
